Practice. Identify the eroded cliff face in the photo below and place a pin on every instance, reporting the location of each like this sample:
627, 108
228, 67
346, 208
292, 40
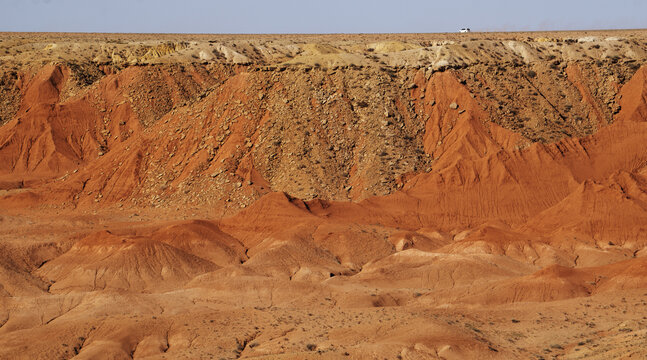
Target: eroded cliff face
226, 134
336, 178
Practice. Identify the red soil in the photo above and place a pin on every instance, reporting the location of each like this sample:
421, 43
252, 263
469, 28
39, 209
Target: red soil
495, 220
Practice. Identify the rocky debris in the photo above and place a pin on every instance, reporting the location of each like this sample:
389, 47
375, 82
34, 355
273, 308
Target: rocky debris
336, 133
9, 94
434, 52
555, 103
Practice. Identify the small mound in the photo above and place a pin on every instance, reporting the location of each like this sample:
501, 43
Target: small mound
549, 284
624, 275
586, 212
391, 46
403, 240
319, 49
103, 260
163, 50
352, 244
271, 213
203, 239
286, 253
418, 269
16, 265
559, 283
497, 240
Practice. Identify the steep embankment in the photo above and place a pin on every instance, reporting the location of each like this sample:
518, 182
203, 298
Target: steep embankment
55, 132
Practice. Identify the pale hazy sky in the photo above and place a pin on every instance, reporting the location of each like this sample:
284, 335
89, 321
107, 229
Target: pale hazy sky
324, 16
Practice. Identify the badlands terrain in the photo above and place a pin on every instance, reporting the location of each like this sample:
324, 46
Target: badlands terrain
409, 196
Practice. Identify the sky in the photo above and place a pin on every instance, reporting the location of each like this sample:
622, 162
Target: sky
322, 16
